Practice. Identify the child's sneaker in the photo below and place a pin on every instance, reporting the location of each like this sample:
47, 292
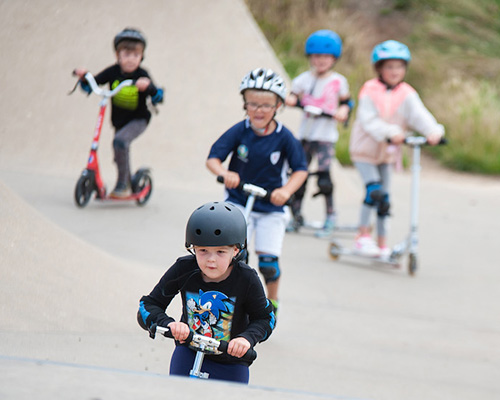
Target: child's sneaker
327, 227
120, 191
295, 223
384, 252
366, 246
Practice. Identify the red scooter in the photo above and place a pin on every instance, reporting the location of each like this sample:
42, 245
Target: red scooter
90, 180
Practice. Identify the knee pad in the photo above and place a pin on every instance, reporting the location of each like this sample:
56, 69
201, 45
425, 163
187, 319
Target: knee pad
383, 206
374, 193
119, 144
269, 267
299, 194
325, 184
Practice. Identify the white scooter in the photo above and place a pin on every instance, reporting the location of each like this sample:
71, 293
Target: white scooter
410, 244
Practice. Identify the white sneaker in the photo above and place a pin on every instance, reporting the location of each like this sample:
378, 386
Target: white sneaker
384, 252
366, 246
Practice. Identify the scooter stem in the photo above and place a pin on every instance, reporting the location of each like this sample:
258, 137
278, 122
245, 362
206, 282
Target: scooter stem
415, 187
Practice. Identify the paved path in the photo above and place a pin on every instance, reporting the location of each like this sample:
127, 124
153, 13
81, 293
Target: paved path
71, 278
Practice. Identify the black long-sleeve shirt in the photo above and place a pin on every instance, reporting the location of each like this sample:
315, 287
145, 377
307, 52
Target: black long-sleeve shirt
234, 307
129, 104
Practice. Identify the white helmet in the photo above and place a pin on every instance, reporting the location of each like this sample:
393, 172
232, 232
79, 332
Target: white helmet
264, 79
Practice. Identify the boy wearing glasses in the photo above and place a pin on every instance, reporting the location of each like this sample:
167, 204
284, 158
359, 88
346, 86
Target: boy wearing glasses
262, 151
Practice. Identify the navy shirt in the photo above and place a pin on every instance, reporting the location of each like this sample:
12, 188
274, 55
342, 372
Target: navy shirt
261, 160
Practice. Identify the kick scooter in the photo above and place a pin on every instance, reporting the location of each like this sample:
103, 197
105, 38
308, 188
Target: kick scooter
90, 180
202, 345
410, 244
315, 227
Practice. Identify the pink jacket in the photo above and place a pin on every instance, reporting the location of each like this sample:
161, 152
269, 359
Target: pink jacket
383, 113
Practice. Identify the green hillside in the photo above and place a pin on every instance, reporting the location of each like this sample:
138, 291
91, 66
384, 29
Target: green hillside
455, 46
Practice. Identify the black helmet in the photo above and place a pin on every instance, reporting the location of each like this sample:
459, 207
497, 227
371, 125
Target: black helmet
129, 34
216, 224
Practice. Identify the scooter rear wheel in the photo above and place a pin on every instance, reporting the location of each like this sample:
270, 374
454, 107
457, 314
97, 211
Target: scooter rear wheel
83, 190
140, 180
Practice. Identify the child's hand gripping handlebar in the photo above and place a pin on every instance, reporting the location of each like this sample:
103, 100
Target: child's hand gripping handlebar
202, 343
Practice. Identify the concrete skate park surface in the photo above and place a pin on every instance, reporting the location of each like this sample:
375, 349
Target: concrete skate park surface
71, 278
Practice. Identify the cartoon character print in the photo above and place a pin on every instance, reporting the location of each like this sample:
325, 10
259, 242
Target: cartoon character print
328, 100
210, 314
127, 98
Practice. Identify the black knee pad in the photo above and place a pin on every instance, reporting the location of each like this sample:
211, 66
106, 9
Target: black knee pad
269, 267
325, 184
299, 194
384, 206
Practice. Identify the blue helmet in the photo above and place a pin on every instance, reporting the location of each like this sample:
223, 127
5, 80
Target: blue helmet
324, 42
390, 50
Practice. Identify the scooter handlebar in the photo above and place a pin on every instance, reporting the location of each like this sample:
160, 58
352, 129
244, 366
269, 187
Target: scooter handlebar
210, 343
319, 112
413, 141
313, 110
103, 92
249, 188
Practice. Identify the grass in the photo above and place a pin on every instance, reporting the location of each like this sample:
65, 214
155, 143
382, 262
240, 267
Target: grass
456, 58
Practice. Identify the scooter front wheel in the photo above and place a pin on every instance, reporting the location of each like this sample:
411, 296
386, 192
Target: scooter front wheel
83, 190
142, 181
334, 251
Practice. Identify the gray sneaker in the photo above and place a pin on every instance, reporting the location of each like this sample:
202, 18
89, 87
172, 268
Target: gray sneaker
327, 229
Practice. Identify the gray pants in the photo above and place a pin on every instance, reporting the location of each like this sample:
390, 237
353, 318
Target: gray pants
374, 173
121, 145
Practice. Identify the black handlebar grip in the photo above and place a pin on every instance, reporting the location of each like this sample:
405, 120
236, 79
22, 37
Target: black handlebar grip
152, 331
220, 179
250, 355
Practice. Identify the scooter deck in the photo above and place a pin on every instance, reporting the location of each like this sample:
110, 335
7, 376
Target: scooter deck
133, 196
312, 227
336, 251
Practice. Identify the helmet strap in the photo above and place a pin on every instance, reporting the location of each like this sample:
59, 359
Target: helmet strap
389, 87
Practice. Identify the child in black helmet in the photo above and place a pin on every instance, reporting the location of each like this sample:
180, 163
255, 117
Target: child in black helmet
129, 113
222, 297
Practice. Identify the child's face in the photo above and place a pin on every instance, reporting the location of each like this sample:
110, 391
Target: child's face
214, 261
321, 63
129, 59
261, 107
393, 72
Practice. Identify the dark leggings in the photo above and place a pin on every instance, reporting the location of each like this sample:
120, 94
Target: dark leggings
324, 151
182, 362
121, 145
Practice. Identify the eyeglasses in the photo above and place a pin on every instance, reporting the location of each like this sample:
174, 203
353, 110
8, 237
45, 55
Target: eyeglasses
250, 106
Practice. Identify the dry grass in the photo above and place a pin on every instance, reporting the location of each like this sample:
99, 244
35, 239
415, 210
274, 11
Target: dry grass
456, 59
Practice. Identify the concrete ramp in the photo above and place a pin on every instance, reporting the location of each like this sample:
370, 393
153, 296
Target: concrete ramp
70, 279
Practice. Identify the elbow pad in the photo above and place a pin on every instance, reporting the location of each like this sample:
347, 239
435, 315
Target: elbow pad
85, 87
158, 97
349, 102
